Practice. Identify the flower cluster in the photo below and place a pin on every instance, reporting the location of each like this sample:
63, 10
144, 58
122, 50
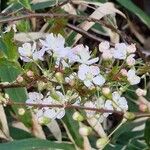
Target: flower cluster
92, 81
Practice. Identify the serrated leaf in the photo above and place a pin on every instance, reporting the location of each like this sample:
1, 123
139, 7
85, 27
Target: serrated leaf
35, 144
8, 72
8, 47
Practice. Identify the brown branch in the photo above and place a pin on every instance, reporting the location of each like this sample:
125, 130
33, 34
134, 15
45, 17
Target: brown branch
11, 85
70, 106
67, 106
87, 34
55, 15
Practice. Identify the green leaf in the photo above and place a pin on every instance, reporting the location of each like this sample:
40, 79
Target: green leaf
18, 134
136, 144
73, 127
147, 132
129, 5
126, 128
8, 47
35, 144
25, 3
46, 4
8, 72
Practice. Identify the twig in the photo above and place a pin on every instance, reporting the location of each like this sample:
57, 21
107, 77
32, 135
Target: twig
55, 15
85, 33
67, 106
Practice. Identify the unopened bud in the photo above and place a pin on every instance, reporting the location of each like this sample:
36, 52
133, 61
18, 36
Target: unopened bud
101, 142
21, 111
106, 91
141, 92
43, 120
129, 115
6, 96
77, 116
85, 131
19, 79
143, 107
30, 74
124, 72
41, 85
59, 77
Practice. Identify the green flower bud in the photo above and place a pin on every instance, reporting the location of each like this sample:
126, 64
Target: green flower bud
21, 111
101, 142
41, 85
77, 116
129, 115
44, 120
85, 131
19, 79
59, 77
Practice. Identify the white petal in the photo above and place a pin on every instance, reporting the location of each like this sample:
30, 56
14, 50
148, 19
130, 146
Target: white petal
88, 83
94, 70
83, 69
99, 80
123, 103
92, 61
50, 113
61, 114
115, 96
103, 46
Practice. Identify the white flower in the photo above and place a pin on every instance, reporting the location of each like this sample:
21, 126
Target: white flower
104, 46
29, 53
119, 52
141, 92
82, 55
132, 77
131, 48
121, 102
130, 60
51, 113
34, 98
53, 42
106, 52
90, 75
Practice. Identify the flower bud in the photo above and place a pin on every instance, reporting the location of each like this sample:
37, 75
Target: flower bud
143, 107
21, 111
124, 72
41, 85
19, 79
43, 120
131, 48
30, 74
129, 115
77, 116
85, 131
101, 142
6, 96
59, 77
2, 99
106, 91
141, 92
